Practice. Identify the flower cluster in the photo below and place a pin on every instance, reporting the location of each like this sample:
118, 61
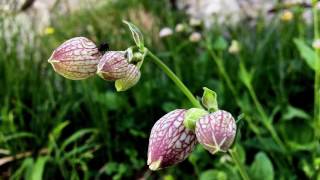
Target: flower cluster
174, 136
192, 29
171, 142
79, 58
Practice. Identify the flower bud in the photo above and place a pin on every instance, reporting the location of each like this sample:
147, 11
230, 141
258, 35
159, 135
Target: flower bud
234, 47
113, 65
76, 58
170, 142
195, 22
180, 28
286, 16
195, 37
165, 32
216, 131
316, 44
131, 78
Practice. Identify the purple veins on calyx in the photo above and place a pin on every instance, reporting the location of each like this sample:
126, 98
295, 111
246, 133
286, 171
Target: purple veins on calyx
170, 142
113, 65
76, 58
216, 131
131, 78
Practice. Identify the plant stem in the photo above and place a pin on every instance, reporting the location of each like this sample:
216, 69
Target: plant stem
317, 70
234, 154
263, 115
175, 79
265, 120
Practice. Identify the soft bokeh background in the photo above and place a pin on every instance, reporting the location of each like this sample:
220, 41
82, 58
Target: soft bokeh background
54, 128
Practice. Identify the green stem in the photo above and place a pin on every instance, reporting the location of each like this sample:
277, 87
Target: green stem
225, 76
264, 117
175, 79
234, 154
317, 70
265, 120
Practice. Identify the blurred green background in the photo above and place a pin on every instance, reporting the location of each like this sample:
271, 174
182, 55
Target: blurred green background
54, 128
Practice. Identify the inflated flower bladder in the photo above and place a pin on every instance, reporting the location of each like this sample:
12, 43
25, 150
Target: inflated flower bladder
174, 136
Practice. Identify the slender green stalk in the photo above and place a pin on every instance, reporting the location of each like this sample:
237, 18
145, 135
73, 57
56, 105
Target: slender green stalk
234, 154
175, 79
265, 120
264, 117
317, 70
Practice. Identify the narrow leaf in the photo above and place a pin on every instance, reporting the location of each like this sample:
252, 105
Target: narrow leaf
38, 168
306, 52
76, 136
136, 34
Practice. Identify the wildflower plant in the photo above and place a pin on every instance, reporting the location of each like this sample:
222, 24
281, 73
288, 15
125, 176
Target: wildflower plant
173, 136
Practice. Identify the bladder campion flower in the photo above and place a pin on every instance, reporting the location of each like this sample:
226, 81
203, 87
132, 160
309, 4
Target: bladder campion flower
76, 58
195, 37
180, 27
131, 78
170, 142
113, 65
165, 32
216, 131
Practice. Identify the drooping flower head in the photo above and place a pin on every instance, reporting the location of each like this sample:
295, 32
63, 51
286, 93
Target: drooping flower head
120, 66
170, 142
113, 65
76, 58
131, 78
216, 131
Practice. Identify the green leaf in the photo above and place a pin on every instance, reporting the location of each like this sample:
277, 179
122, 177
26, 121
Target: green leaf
19, 135
26, 165
262, 167
293, 112
38, 168
209, 100
220, 44
244, 75
306, 52
76, 136
266, 144
136, 34
241, 153
168, 177
81, 150
110, 168
56, 132
299, 135
213, 175
192, 116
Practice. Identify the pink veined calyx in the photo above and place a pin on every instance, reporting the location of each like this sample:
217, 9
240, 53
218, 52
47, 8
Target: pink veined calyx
216, 131
170, 142
76, 59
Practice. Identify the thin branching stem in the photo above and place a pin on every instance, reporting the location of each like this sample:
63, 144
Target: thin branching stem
235, 156
317, 70
264, 118
175, 79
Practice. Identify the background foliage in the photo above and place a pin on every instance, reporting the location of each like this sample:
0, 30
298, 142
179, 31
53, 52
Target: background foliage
57, 128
